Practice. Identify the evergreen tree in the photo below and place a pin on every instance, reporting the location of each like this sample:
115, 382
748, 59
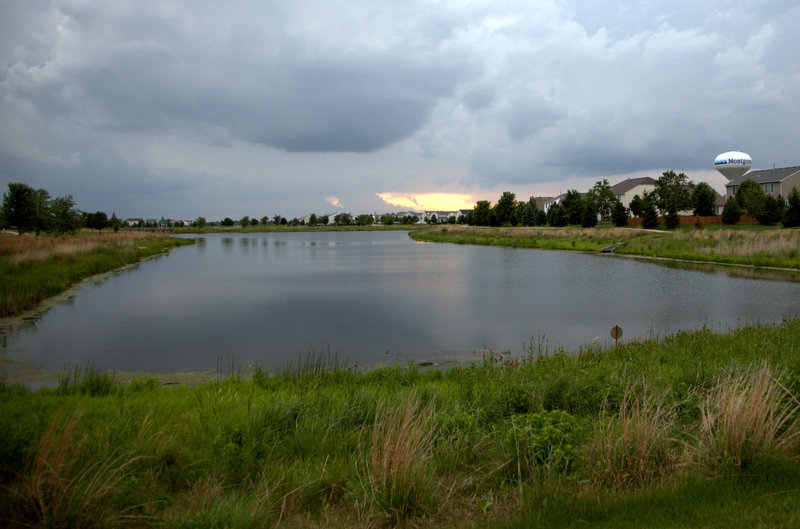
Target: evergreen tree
649, 213
619, 215
731, 213
771, 211
589, 216
791, 217
573, 204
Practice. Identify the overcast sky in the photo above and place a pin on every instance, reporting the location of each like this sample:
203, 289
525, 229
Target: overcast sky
187, 108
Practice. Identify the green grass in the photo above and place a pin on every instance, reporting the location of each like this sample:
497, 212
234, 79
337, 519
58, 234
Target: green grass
634, 435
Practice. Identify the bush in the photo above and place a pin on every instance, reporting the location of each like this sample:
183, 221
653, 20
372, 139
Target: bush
546, 439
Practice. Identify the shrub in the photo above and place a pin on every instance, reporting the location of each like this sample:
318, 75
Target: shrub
546, 440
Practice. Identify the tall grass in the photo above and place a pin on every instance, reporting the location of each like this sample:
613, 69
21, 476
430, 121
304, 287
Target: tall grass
62, 488
753, 246
35, 268
634, 446
398, 480
747, 419
469, 445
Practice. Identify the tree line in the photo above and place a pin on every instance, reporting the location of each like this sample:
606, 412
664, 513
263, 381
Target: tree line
673, 193
32, 210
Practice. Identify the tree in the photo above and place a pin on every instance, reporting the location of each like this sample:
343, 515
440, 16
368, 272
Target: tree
529, 213
114, 222
671, 220
18, 209
672, 193
731, 213
200, 222
557, 216
637, 206
481, 213
227, 221
342, 219
619, 215
244, 222
703, 200
791, 217
277, 220
96, 221
573, 204
504, 208
589, 215
771, 211
750, 197
41, 211
649, 213
602, 197
65, 218
323, 219
541, 218
264, 220
365, 220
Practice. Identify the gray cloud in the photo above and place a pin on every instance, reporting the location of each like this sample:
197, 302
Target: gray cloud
107, 100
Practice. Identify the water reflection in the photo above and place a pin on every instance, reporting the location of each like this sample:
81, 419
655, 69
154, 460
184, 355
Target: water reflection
376, 296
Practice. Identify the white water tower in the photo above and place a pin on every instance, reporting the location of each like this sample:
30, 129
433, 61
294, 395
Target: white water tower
733, 164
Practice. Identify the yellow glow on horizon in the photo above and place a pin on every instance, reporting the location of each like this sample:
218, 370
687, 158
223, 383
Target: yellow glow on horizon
429, 201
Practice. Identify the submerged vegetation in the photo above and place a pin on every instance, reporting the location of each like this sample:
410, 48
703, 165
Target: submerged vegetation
751, 246
658, 433
35, 268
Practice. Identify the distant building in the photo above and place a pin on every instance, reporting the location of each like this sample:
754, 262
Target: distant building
629, 188
776, 182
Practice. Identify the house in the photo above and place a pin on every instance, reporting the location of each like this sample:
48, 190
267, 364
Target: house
776, 181
441, 216
630, 187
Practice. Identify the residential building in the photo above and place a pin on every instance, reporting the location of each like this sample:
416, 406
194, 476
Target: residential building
776, 181
630, 187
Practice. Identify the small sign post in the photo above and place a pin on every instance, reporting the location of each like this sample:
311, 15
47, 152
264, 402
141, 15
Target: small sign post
616, 333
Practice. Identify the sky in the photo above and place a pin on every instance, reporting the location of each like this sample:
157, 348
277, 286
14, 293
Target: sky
197, 108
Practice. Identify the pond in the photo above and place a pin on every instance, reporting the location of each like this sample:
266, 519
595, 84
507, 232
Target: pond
377, 297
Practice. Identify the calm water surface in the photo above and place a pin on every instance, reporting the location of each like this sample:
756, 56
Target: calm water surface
373, 297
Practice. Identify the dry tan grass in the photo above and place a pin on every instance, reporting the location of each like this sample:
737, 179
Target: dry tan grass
543, 231
633, 447
745, 418
59, 489
744, 243
398, 480
29, 247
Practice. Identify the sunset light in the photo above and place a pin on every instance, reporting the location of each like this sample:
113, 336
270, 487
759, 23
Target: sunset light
429, 201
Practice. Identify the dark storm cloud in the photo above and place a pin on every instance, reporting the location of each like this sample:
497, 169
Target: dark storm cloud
174, 99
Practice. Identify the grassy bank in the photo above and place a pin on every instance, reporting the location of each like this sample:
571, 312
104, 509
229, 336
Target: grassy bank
36, 268
750, 246
690, 431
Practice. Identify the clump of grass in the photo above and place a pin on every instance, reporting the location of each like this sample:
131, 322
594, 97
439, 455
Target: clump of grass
398, 479
634, 446
747, 419
59, 489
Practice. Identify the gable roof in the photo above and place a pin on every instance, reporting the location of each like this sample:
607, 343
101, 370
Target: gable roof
628, 184
765, 176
